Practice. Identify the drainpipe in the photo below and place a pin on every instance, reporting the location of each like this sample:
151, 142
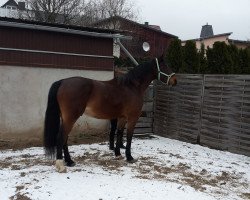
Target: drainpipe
126, 51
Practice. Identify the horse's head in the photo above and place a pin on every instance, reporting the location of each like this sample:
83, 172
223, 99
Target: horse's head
164, 73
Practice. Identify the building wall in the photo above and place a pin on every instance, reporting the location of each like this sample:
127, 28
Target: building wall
55, 47
4, 12
158, 42
32, 59
23, 97
209, 41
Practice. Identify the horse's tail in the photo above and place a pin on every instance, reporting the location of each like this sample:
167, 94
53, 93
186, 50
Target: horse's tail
52, 121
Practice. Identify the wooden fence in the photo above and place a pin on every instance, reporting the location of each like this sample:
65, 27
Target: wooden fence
145, 122
211, 110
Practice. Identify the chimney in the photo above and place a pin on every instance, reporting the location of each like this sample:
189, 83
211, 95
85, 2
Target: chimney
146, 23
206, 31
21, 5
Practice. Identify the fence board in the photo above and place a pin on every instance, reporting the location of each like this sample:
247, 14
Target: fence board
144, 124
213, 110
181, 106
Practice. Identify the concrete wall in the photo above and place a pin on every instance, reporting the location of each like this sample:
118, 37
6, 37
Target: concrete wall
24, 93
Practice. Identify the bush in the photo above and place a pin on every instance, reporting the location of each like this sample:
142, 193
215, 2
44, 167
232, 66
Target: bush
191, 62
221, 59
174, 55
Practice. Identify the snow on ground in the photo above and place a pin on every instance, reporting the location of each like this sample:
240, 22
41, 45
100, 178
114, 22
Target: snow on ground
166, 169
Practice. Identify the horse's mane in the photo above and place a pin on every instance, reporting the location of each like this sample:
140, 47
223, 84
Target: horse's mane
136, 74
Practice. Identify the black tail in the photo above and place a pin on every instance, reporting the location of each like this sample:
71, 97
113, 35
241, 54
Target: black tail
52, 121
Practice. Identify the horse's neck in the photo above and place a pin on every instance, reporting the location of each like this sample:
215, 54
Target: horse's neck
144, 83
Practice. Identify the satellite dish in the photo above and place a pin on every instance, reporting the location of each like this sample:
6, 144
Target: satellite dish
146, 46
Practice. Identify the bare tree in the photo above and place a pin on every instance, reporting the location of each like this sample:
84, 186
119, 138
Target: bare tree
122, 8
89, 13
95, 10
63, 11
80, 12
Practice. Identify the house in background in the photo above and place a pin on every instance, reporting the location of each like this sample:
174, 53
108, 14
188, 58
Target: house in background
152, 34
241, 44
13, 5
208, 38
12, 9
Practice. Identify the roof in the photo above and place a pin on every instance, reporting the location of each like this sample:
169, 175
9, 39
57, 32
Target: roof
148, 27
155, 27
95, 32
206, 31
239, 41
214, 36
10, 3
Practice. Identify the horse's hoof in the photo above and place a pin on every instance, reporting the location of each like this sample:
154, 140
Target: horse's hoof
131, 160
111, 148
71, 163
60, 166
117, 152
119, 157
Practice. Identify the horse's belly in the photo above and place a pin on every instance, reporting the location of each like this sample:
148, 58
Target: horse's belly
90, 112
98, 113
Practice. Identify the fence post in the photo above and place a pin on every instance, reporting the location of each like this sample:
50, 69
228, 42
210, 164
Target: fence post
201, 108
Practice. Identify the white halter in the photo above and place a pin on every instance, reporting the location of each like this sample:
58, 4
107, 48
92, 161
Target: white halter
162, 73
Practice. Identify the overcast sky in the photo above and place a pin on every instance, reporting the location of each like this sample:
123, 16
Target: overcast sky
184, 18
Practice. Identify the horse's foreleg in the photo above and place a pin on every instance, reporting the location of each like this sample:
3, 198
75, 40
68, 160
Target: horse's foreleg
130, 130
113, 123
118, 142
128, 147
121, 139
121, 125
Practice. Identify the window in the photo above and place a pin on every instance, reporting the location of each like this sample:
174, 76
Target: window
11, 7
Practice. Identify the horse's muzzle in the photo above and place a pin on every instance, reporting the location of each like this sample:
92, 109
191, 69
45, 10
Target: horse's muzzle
173, 81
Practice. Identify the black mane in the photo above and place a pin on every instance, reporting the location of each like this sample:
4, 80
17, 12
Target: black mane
136, 74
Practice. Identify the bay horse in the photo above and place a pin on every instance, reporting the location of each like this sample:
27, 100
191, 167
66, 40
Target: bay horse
120, 98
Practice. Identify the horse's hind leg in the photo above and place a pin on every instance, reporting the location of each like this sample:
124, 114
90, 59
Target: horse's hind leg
67, 158
65, 128
59, 158
113, 124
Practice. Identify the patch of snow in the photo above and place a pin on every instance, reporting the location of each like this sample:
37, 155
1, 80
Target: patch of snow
166, 169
